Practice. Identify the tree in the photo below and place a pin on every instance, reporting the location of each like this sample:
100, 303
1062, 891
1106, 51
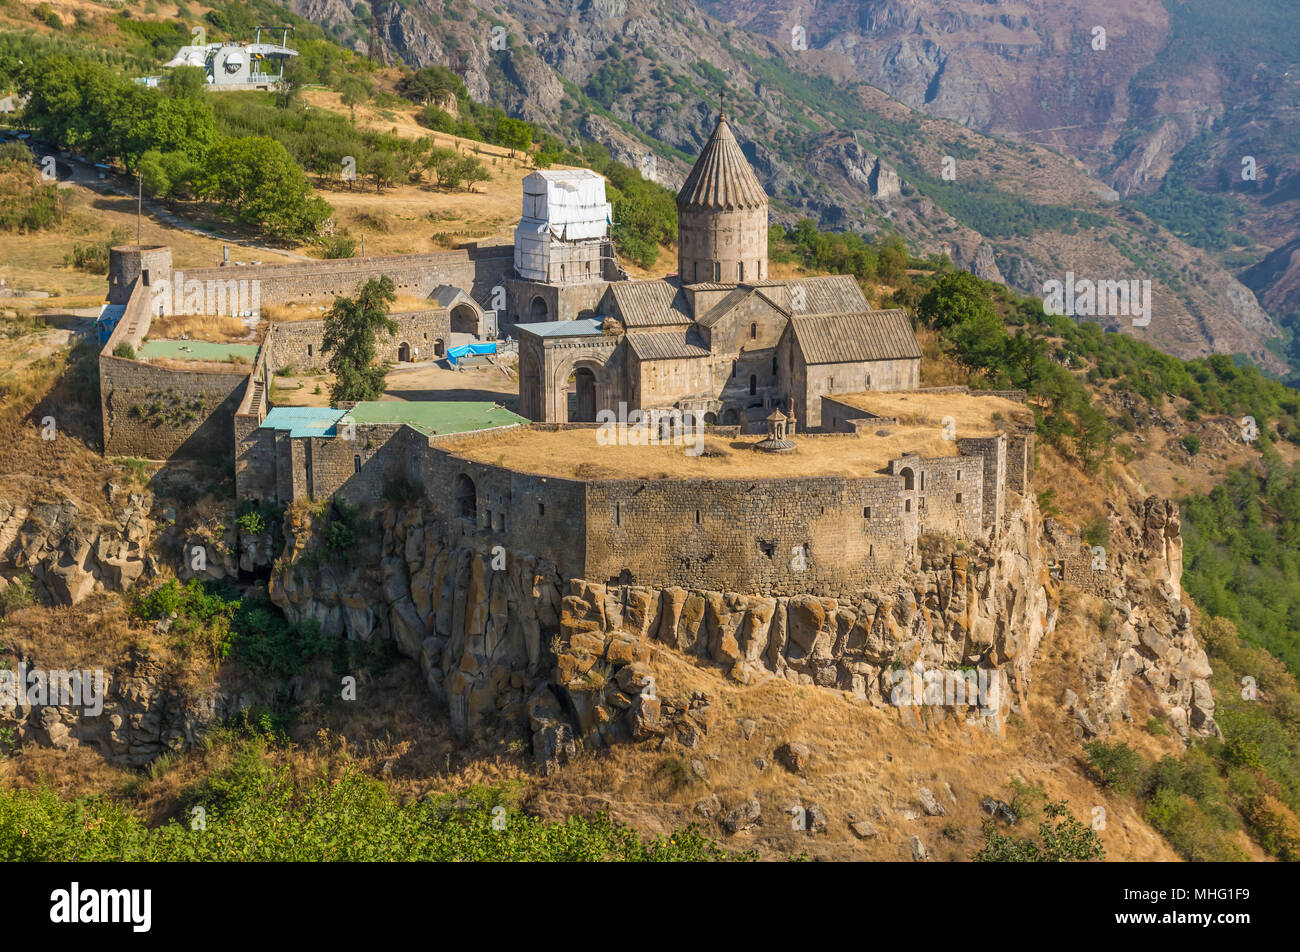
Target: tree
954, 298
352, 326
1061, 839
257, 180
291, 82
515, 134
353, 92
383, 169
185, 82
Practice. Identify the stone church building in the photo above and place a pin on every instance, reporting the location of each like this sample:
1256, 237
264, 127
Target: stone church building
720, 339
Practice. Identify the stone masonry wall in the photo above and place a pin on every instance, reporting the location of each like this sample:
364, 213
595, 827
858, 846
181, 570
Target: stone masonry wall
297, 344
477, 270
158, 412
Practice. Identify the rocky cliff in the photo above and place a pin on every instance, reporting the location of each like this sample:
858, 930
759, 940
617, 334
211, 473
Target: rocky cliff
508, 644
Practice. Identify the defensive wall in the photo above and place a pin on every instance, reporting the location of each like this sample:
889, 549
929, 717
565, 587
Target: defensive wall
770, 536
477, 270
159, 411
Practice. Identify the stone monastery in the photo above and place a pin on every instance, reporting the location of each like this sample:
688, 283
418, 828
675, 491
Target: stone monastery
818, 464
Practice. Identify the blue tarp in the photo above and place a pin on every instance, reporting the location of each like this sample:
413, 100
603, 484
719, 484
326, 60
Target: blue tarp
455, 353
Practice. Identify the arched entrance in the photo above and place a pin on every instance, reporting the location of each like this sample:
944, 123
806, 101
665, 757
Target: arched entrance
584, 410
464, 320
537, 310
909, 478
403, 352
730, 417
439, 348
466, 498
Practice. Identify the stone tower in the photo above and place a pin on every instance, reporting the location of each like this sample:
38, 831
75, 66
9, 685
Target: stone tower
721, 215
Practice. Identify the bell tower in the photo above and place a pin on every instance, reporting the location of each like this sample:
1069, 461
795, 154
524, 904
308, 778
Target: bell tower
721, 216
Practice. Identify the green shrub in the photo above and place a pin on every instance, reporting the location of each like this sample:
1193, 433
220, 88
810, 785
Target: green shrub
256, 812
1115, 766
17, 594
1097, 532
1061, 839
124, 350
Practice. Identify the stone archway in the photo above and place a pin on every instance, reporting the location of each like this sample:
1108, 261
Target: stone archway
731, 417
584, 409
909, 478
532, 398
466, 498
537, 310
403, 353
439, 348
464, 320
592, 391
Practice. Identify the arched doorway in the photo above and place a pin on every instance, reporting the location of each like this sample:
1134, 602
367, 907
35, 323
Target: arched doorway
585, 406
403, 352
466, 498
730, 417
439, 348
464, 320
710, 419
909, 478
537, 310
532, 401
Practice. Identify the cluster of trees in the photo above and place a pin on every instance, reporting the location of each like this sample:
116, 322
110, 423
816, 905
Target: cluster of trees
998, 214
257, 811
322, 142
1242, 554
885, 262
482, 124
974, 332
1200, 799
171, 134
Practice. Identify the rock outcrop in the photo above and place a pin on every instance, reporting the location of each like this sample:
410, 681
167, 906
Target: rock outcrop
69, 552
504, 640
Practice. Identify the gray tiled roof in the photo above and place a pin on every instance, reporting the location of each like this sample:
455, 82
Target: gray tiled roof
828, 294
585, 327
666, 345
650, 303
848, 338
723, 307
722, 176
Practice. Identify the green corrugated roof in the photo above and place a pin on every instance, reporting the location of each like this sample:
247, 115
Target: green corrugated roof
195, 350
303, 421
436, 416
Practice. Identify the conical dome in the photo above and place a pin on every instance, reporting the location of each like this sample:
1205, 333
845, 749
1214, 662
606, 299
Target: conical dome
722, 177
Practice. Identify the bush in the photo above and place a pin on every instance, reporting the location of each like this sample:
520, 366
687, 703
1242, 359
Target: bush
1192, 443
1115, 766
338, 246
199, 615
1097, 532
124, 350
1275, 828
265, 813
17, 594
1061, 839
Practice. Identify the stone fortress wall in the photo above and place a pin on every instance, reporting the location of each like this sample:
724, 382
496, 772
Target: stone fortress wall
477, 270
768, 536
156, 411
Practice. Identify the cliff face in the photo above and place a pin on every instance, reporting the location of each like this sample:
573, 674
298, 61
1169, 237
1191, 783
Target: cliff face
506, 643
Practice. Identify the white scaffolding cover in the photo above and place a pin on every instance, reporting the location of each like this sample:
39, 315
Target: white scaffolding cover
559, 205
